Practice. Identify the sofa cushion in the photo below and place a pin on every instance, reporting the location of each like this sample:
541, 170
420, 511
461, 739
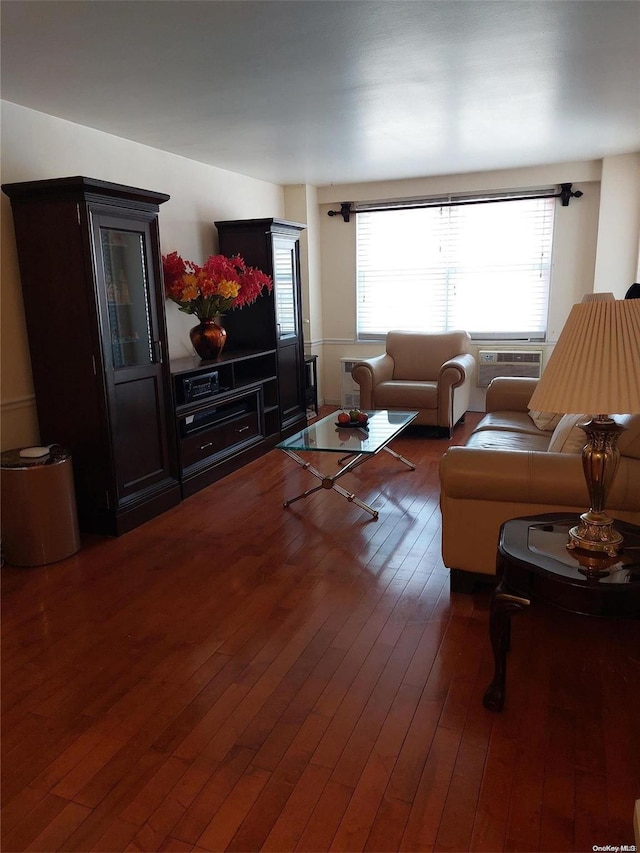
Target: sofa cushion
502, 439
629, 441
510, 421
567, 436
545, 420
406, 395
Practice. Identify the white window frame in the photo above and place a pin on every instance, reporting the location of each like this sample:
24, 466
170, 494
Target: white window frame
410, 277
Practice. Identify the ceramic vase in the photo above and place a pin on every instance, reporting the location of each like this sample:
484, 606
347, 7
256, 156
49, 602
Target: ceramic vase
208, 338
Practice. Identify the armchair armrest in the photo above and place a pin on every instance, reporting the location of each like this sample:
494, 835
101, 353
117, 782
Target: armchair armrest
457, 370
510, 394
454, 374
368, 373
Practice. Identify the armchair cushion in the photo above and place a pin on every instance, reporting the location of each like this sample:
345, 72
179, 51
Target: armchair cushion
418, 356
407, 395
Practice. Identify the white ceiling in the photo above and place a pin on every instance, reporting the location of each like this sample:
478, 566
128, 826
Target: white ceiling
337, 91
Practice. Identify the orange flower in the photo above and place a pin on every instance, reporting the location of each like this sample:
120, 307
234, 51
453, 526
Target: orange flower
190, 290
228, 289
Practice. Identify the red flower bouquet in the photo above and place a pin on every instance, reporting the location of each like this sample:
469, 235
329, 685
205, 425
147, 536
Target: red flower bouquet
220, 284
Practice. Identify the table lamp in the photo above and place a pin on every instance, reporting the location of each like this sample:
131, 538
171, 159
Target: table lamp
595, 368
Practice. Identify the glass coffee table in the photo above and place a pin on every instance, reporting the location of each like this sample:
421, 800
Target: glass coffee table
356, 444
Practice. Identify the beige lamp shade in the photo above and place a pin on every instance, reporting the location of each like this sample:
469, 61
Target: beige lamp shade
595, 366
600, 296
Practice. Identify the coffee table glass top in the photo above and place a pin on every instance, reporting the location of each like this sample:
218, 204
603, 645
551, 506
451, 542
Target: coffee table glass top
324, 435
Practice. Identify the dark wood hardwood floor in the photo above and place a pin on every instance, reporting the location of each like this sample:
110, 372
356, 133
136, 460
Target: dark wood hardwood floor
238, 676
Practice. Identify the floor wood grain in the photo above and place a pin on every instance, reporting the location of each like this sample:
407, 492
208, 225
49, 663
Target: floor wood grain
238, 676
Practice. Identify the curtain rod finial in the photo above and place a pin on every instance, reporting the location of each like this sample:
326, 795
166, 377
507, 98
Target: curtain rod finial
566, 194
345, 211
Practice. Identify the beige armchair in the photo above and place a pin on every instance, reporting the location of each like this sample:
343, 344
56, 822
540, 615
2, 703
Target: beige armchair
428, 373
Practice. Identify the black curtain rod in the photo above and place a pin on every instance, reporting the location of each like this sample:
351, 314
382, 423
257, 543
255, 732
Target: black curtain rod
346, 210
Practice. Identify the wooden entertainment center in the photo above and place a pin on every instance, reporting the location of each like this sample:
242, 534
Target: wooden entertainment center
144, 431
221, 427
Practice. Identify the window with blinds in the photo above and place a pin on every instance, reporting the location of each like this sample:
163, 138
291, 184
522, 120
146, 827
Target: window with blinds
480, 267
283, 263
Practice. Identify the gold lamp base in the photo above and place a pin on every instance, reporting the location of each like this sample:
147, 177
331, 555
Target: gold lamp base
595, 533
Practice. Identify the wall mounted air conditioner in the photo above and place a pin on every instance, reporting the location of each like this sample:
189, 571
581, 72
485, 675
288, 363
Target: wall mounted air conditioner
350, 389
492, 363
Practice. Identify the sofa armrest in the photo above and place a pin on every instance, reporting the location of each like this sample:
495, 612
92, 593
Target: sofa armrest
368, 373
509, 394
514, 476
532, 476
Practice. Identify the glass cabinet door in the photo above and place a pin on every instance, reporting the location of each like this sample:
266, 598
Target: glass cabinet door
284, 285
124, 266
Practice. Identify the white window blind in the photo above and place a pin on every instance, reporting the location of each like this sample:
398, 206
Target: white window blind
283, 282
480, 267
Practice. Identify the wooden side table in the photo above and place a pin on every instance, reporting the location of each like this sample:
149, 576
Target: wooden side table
311, 382
533, 563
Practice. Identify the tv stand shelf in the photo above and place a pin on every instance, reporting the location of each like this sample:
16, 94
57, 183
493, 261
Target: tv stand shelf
230, 418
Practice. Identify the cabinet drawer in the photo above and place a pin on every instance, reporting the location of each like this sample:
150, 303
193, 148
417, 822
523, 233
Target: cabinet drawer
210, 442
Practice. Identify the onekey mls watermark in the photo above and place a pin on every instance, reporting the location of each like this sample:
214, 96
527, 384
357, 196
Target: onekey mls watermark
614, 848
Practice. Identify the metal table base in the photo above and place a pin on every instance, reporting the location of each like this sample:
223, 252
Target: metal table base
330, 482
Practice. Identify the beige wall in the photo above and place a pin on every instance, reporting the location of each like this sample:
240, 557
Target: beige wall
37, 146
618, 243
576, 228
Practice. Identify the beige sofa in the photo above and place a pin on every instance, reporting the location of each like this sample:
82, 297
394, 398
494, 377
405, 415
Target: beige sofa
506, 470
427, 373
